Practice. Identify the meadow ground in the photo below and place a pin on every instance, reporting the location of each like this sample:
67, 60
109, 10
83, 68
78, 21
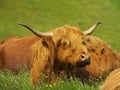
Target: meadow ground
45, 15
8, 81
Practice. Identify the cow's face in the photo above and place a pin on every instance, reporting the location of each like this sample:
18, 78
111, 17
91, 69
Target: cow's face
70, 46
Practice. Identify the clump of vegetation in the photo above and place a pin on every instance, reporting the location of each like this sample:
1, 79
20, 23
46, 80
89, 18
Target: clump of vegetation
21, 81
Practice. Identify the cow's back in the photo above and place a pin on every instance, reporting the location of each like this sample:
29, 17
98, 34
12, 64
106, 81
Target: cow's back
16, 52
6, 40
102, 57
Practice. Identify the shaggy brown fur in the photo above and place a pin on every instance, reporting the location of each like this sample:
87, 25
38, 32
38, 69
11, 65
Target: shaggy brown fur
112, 82
103, 59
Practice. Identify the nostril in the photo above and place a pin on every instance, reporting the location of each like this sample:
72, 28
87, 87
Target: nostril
83, 57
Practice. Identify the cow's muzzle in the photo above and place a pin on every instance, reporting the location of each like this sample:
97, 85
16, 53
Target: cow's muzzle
83, 63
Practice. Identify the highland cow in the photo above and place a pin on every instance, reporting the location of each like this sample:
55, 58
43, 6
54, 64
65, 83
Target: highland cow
59, 47
56, 51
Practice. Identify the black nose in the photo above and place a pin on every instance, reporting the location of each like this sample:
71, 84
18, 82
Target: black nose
83, 63
87, 61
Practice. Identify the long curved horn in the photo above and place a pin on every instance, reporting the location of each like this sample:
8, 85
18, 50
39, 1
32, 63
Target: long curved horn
37, 33
90, 30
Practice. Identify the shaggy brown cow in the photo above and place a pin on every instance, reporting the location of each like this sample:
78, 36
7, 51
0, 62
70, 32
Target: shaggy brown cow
61, 43
103, 59
15, 52
112, 82
57, 51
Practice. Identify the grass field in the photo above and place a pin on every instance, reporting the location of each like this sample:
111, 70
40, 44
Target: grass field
48, 14
8, 81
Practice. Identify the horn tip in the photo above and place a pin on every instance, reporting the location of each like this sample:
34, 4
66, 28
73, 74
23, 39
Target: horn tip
19, 23
98, 23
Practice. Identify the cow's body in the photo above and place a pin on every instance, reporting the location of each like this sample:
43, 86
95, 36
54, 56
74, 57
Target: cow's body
103, 59
16, 52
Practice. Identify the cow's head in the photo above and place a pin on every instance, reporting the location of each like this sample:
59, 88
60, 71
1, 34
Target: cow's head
70, 46
69, 42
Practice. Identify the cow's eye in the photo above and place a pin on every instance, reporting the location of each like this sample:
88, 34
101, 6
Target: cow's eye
64, 43
84, 43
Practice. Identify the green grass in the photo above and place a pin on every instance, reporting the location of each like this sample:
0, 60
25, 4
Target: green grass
9, 81
48, 14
